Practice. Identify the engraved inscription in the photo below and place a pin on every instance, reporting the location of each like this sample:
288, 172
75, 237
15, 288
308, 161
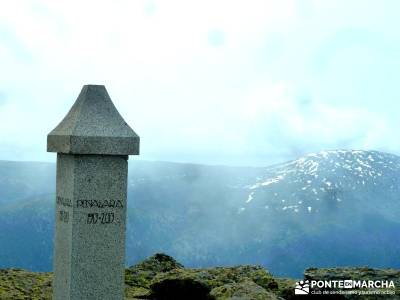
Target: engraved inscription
64, 201
99, 203
63, 216
91, 218
100, 218
84, 203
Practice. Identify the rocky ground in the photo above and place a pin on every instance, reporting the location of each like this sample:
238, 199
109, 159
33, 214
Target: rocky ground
160, 277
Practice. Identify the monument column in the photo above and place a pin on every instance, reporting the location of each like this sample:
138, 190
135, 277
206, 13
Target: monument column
92, 144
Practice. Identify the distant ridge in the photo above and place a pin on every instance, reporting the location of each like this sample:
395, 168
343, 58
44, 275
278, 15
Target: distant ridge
331, 208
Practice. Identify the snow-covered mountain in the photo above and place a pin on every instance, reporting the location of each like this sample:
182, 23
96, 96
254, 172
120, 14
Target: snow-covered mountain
330, 179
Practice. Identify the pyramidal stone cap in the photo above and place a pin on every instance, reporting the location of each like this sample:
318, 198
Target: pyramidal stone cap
93, 126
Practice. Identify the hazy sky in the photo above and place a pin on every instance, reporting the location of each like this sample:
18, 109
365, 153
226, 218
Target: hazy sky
218, 82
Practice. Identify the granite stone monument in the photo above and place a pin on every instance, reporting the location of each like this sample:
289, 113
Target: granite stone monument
92, 143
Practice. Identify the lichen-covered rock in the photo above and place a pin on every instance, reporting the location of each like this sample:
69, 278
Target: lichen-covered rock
157, 263
181, 284
139, 277
190, 283
218, 276
286, 288
243, 290
160, 277
16, 284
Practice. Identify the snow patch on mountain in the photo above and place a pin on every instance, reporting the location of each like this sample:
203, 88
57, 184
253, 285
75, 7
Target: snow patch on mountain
322, 175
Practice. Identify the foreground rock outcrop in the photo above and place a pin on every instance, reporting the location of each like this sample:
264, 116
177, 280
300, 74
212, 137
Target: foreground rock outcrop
17, 284
160, 277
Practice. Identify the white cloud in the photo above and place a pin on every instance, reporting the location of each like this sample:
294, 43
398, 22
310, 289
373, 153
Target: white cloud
188, 100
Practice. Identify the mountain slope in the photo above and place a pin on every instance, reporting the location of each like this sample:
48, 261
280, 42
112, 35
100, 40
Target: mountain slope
332, 208
324, 181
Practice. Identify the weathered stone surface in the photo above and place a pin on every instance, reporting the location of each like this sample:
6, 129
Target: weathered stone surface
139, 277
93, 126
190, 282
93, 143
157, 263
243, 290
90, 227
